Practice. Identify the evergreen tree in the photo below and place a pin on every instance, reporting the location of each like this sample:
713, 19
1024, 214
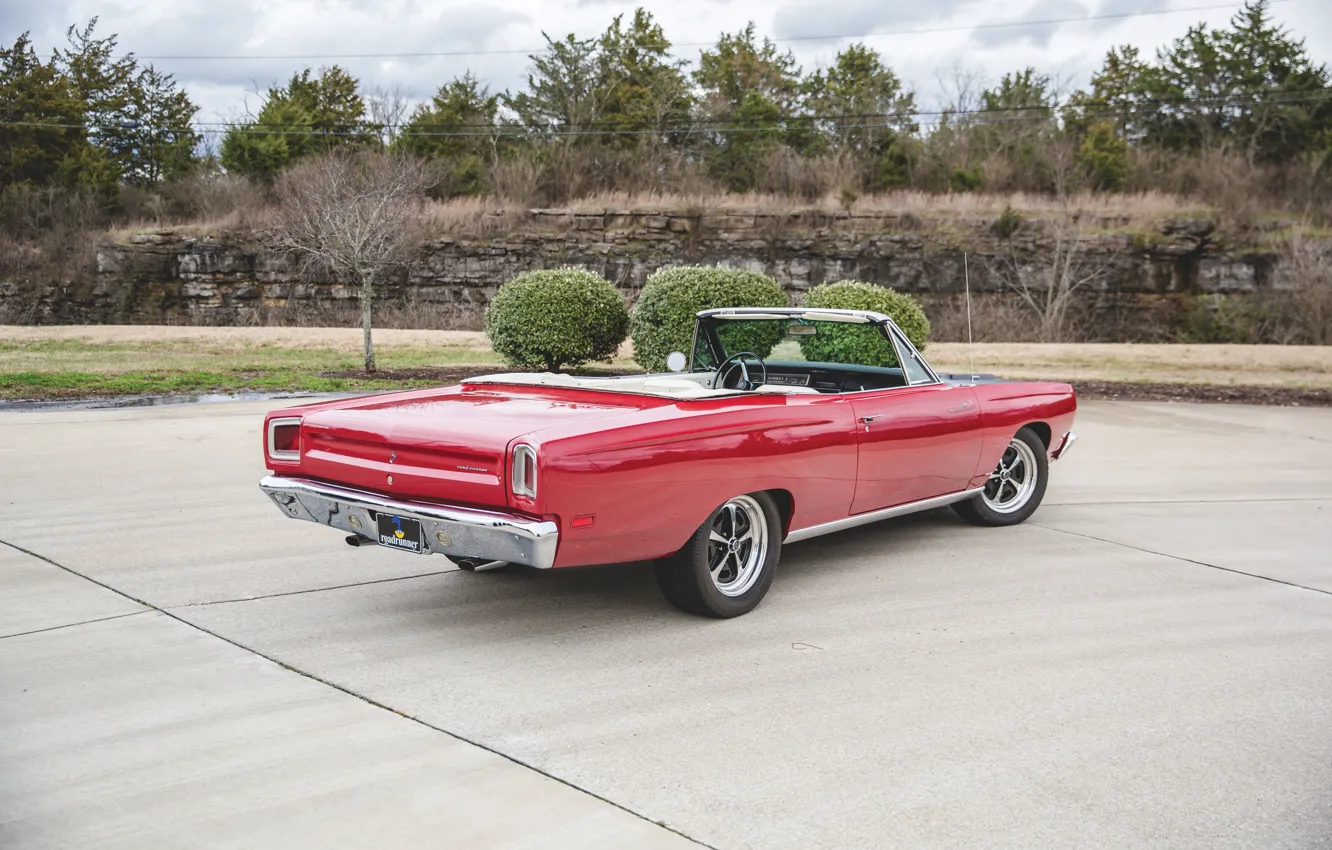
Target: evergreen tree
1252, 85
158, 142
308, 115
458, 128
33, 92
747, 92
562, 88
103, 84
867, 111
643, 86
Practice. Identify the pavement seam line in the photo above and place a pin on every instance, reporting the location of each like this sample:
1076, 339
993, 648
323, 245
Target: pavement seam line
1189, 501
335, 686
1184, 559
74, 625
311, 590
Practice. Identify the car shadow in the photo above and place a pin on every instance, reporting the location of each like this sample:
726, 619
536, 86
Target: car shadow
536, 602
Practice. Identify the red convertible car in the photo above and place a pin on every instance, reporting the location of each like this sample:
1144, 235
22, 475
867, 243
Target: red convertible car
782, 425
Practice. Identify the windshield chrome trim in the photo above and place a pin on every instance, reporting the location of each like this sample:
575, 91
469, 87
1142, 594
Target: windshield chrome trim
895, 335
825, 314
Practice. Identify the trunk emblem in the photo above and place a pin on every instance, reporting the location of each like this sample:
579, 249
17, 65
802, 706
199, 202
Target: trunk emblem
390, 479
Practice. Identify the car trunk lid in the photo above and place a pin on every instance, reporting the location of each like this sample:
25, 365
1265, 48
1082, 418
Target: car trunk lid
449, 446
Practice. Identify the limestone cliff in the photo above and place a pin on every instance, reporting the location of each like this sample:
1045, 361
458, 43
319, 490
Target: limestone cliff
1140, 272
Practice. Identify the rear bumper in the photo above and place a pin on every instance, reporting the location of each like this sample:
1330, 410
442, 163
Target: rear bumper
448, 530
1065, 444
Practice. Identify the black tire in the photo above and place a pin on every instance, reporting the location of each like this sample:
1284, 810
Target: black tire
981, 509
687, 582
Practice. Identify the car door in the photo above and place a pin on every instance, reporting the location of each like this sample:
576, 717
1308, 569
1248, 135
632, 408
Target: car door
915, 442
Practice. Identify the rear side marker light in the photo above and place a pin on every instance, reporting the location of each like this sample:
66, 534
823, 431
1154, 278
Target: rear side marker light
284, 439
584, 521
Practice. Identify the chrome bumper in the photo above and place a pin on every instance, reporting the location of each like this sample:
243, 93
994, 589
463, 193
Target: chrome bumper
448, 530
1064, 445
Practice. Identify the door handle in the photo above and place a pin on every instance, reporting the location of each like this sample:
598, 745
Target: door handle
868, 419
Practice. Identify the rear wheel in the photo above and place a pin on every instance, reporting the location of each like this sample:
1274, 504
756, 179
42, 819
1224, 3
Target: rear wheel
1016, 487
728, 564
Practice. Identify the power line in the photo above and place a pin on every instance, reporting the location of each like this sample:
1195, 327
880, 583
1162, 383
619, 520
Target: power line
784, 123
1242, 97
789, 39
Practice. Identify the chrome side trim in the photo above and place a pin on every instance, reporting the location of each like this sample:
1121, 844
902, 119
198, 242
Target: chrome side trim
272, 428
875, 516
1064, 445
448, 530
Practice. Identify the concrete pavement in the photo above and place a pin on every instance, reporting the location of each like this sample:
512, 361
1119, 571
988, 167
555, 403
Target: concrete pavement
1145, 663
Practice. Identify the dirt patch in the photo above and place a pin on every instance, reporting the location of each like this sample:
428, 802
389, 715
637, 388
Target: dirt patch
1275, 396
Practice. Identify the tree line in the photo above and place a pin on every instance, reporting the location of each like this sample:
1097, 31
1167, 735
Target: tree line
622, 111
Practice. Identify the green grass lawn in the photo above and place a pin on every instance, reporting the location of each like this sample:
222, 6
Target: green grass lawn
53, 369
102, 361
56, 385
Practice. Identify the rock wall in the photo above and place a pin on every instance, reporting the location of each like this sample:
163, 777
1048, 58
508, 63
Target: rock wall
171, 278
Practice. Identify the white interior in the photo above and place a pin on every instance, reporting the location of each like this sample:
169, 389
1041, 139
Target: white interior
670, 385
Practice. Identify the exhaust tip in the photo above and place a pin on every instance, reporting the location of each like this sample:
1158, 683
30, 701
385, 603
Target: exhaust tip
355, 540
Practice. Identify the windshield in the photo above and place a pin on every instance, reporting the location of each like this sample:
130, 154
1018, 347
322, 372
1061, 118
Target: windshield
793, 340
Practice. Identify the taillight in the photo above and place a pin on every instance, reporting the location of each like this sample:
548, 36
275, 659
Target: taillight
284, 439
523, 480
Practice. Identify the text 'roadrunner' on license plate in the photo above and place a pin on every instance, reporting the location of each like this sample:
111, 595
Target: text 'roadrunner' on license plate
398, 532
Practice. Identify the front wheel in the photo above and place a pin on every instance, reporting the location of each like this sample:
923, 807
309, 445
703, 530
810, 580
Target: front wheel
1015, 488
728, 564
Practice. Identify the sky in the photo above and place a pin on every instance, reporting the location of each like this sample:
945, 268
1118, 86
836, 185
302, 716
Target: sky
929, 63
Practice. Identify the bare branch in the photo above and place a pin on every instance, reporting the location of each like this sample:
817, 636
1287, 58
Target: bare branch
350, 217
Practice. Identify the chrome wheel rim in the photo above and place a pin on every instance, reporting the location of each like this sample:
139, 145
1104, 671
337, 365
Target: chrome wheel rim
1013, 481
737, 546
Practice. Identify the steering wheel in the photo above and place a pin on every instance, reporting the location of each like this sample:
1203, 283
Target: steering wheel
745, 382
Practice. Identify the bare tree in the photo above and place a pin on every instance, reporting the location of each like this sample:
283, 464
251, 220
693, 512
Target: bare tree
1048, 279
388, 110
1306, 267
351, 216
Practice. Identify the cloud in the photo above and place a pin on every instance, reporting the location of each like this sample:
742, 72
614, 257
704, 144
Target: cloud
1123, 7
287, 27
1037, 35
20, 16
854, 18
168, 34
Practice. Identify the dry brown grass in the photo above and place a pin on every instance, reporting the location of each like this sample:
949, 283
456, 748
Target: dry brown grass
129, 347
1140, 205
1239, 365
486, 217
472, 218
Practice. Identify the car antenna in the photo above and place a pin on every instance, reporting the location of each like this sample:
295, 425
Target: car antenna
971, 350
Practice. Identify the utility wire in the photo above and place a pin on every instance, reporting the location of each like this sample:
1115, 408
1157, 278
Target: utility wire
789, 39
844, 121
618, 128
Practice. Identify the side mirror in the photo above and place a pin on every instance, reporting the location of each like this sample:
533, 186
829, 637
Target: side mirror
676, 362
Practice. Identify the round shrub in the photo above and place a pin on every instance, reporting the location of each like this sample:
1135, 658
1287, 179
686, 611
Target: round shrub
556, 318
663, 318
860, 343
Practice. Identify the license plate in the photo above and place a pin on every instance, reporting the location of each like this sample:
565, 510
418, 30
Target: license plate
399, 532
